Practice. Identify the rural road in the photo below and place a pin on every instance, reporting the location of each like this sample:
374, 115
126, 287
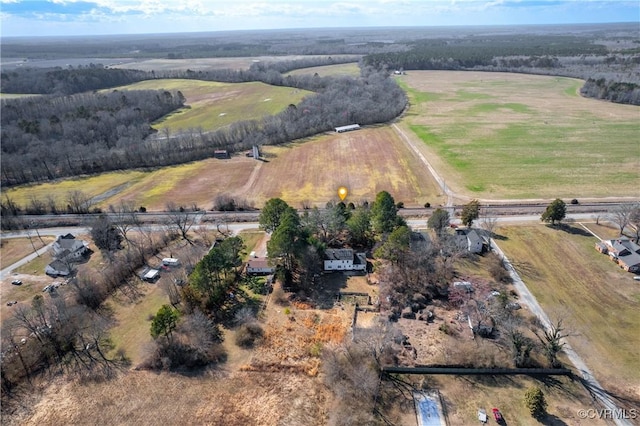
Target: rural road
436, 176
589, 381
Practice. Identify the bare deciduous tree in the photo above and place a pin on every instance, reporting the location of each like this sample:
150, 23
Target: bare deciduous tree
181, 220
78, 202
552, 341
621, 215
488, 222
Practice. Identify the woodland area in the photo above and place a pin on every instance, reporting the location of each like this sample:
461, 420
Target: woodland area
107, 140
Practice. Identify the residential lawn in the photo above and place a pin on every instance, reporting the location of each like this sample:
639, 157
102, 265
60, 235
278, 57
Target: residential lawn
211, 105
500, 135
598, 301
15, 249
464, 395
251, 240
36, 266
133, 321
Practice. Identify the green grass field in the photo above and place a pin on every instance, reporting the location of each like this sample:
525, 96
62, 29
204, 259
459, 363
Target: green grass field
600, 303
211, 105
520, 136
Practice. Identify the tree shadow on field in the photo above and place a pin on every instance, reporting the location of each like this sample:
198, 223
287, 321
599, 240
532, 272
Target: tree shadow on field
497, 381
328, 288
570, 229
551, 420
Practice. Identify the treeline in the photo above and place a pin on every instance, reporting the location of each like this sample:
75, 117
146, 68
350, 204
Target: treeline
50, 137
67, 81
65, 136
481, 51
58, 81
623, 93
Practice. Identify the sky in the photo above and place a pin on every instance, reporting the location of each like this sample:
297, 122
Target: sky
99, 17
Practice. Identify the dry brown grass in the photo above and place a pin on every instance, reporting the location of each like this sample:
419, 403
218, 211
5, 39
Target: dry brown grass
366, 162
14, 249
214, 398
599, 302
464, 395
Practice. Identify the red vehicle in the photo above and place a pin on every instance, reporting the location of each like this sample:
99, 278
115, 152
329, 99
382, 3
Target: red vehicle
497, 415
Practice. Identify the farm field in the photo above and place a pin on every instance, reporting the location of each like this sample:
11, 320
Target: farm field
598, 301
211, 105
349, 69
500, 135
203, 64
367, 162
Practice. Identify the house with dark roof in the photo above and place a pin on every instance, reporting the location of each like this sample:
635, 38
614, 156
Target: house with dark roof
344, 260
623, 251
57, 268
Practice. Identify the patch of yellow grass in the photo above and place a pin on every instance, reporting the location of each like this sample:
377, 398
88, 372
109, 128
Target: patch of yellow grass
91, 185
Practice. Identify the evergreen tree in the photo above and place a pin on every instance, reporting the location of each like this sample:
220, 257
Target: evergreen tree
555, 212
470, 212
535, 402
384, 213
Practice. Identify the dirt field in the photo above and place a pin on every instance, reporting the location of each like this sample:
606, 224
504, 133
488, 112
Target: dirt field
366, 162
500, 135
599, 302
350, 69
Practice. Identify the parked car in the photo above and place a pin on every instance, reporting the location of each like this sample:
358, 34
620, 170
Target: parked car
16, 282
497, 415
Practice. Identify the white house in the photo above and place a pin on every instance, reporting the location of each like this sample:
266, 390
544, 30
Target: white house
344, 260
471, 240
259, 265
67, 248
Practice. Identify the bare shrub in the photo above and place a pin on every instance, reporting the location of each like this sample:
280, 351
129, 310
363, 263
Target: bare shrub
497, 270
248, 334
